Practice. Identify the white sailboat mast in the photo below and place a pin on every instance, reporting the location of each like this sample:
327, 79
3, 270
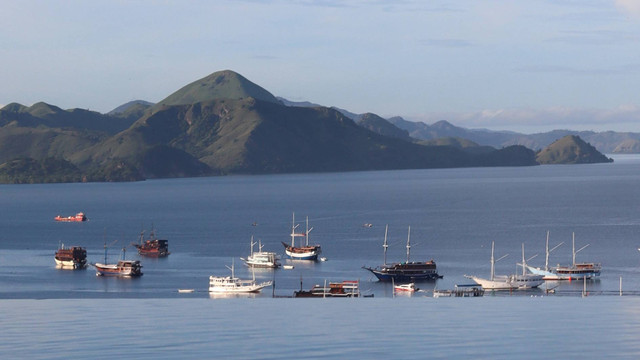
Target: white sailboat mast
546, 258
492, 262
408, 243
385, 246
293, 230
573, 239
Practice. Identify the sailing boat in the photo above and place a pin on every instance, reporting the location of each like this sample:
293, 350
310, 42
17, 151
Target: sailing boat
232, 284
261, 259
577, 270
508, 282
306, 252
123, 268
405, 271
546, 273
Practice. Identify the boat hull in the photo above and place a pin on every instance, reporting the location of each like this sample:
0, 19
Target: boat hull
511, 282
564, 273
302, 253
128, 269
70, 264
407, 272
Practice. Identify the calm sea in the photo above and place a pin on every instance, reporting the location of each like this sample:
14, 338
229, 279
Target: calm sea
454, 215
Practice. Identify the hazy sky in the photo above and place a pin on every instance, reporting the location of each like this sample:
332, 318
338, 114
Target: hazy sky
505, 65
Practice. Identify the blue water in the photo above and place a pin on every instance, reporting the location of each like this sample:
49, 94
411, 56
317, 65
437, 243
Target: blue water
454, 215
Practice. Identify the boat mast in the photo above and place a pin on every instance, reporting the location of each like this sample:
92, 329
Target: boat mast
492, 262
385, 246
524, 262
573, 238
293, 230
408, 243
306, 234
546, 258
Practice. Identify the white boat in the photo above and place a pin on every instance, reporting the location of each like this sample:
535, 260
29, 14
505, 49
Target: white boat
468, 290
306, 252
508, 282
261, 259
287, 267
185, 291
232, 284
574, 271
409, 287
546, 273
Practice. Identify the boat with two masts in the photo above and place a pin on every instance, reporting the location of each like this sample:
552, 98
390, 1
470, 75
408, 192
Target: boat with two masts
305, 252
123, 268
74, 257
232, 284
261, 259
404, 271
575, 271
508, 282
79, 217
152, 247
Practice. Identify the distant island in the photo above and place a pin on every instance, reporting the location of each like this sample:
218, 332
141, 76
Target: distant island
225, 124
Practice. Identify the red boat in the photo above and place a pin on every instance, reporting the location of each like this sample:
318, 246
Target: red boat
152, 247
77, 218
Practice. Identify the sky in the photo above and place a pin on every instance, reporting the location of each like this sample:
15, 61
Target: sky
526, 66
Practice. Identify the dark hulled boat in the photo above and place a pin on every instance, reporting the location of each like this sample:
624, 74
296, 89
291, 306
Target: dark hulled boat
404, 271
152, 247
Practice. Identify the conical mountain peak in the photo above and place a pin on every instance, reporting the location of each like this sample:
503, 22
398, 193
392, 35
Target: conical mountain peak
220, 85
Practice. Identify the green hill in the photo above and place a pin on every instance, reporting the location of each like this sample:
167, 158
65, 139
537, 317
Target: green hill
570, 149
221, 124
219, 85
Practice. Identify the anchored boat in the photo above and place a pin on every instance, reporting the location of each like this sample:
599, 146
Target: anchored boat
404, 271
306, 252
575, 271
347, 288
508, 282
152, 247
261, 259
79, 217
123, 268
232, 284
74, 257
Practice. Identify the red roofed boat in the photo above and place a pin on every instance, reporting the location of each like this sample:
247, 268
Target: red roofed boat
77, 218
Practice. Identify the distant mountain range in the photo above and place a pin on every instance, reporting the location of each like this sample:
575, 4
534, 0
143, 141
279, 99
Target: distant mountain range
225, 124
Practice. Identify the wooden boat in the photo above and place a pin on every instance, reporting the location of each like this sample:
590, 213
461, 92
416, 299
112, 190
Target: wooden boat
508, 282
232, 284
79, 217
74, 257
348, 288
123, 268
404, 271
574, 271
152, 247
261, 259
306, 252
